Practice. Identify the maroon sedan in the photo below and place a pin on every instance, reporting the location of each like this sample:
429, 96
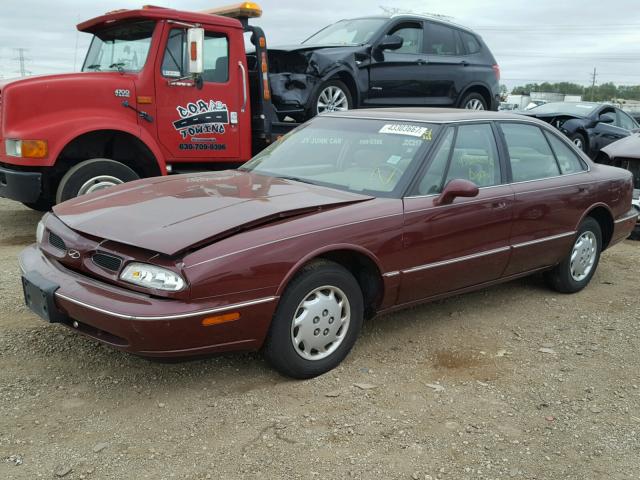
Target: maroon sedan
350, 215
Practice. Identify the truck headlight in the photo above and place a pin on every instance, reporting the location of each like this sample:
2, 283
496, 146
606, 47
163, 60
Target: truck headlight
40, 231
150, 276
26, 148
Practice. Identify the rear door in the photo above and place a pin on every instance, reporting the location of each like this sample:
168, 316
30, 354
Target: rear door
398, 77
552, 190
466, 243
198, 124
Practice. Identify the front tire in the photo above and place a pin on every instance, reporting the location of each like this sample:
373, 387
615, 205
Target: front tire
579, 141
93, 175
576, 270
317, 321
332, 96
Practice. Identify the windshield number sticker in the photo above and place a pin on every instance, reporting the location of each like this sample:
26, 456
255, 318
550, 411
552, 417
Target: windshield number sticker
404, 129
122, 93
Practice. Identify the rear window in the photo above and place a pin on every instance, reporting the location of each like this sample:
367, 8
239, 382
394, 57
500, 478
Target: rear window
567, 159
442, 40
375, 157
529, 152
471, 43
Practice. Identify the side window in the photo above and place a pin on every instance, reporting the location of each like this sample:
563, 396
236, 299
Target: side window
625, 121
442, 40
432, 181
412, 36
470, 42
216, 56
475, 156
529, 152
567, 159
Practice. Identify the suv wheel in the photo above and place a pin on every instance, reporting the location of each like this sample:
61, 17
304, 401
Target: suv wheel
474, 101
332, 96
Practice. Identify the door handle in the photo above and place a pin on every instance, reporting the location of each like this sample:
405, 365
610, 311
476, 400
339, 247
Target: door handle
464, 63
499, 205
422, 61
244, 87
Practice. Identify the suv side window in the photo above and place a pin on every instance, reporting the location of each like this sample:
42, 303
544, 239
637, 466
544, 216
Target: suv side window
470, 42
412, 36
529, 152
442, 40
625, 121
475, 156
216, 56
567, 159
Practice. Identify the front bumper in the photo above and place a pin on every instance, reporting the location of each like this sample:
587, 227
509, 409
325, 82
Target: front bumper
23, 187
142, 324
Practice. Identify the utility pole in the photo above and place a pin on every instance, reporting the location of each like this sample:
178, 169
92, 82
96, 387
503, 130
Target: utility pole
21, 59
593, 83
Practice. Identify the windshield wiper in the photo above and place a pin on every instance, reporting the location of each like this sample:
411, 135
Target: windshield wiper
118, 66
295, 179
93, 66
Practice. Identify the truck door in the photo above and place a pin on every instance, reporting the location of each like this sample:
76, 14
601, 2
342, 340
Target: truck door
198, 125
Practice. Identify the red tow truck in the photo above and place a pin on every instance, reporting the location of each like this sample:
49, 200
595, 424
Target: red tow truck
160, 91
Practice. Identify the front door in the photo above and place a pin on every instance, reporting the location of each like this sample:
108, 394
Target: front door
465, 243
198, 124
397, 77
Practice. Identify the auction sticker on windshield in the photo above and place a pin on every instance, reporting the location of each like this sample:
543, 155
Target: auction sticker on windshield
405, 129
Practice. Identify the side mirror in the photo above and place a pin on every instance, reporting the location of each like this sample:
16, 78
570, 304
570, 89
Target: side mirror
456, 188
195, 45
605, 119
391, 42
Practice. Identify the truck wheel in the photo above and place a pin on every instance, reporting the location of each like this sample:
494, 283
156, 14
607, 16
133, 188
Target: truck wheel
332, 96
93, 175
316, 322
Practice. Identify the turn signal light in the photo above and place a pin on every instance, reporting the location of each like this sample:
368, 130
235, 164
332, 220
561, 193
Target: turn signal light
217, 320
34, 148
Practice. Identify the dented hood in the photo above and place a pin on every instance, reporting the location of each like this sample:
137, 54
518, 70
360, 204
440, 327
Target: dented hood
171, 214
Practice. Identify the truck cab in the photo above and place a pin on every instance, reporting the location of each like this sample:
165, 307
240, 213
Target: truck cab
160, 91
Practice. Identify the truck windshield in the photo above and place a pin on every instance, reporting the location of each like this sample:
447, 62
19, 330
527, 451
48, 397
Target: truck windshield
375, 157
347, 32
120, 47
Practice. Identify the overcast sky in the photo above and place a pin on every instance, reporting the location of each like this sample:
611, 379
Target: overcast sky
533, 41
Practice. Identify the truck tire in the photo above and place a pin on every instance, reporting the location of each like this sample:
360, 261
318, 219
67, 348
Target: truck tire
331, 96
93, 175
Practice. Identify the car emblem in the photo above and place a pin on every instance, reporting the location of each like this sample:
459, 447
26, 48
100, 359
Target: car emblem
75, 254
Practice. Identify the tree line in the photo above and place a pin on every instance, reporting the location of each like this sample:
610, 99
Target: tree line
600, 93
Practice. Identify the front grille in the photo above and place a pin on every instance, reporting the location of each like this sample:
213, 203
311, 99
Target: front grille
57, 242
106, 261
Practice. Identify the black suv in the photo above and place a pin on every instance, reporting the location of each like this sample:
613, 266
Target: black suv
396, 60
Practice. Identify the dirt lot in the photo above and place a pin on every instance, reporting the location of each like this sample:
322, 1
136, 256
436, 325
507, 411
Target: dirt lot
510, 382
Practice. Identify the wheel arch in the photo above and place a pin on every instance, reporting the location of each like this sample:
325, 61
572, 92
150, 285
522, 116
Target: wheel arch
480, 88
346, 77
364, 266
602, 214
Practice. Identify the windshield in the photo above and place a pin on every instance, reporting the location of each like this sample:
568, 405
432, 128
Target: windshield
347, 32
580, 109
362, 156
120, 47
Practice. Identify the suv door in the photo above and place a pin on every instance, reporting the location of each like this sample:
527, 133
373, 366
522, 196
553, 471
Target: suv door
448, 70
198, 124
466, 243
552, 191
398, 77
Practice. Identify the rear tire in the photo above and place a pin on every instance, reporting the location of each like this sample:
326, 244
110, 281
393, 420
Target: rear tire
93, 175
316, 322
474, 101
576, 270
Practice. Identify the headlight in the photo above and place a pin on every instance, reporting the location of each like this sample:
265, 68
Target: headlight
40, 229
150, 276
26, 148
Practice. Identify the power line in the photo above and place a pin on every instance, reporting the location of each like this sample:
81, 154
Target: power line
21, 60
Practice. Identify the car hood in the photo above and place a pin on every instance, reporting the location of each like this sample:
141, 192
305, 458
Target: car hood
171, 214
628, 147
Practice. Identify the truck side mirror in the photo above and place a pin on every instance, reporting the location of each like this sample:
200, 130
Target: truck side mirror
195, 46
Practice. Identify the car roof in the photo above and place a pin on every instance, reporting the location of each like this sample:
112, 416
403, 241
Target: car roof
433, 115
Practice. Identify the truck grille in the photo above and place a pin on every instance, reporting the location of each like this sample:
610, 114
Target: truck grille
57, 242
106, 261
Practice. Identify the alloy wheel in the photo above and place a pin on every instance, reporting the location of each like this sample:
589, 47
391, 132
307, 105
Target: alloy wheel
332, 99
474, 104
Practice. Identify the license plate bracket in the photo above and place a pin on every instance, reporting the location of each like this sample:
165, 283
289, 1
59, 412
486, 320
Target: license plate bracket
39, 297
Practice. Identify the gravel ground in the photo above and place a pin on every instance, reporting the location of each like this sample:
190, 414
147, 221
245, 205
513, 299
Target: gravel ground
511, 382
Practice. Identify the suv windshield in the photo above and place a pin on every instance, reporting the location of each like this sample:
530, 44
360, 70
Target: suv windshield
362, 156
347, 32
121, 47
